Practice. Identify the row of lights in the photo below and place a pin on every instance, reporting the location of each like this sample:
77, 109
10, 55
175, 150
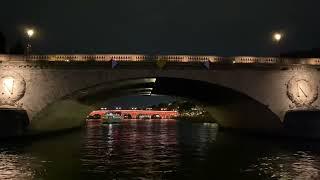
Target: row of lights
117, 108
133, 108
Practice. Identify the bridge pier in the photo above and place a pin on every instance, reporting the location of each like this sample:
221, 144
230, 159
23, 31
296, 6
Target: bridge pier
14, 122
303, 123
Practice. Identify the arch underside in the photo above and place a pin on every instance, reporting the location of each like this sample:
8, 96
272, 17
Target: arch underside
230, 108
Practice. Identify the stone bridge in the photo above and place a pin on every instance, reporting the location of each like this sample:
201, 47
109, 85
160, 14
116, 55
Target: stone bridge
134, 114
57, 91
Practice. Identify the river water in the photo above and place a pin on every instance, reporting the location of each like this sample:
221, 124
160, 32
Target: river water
166, 149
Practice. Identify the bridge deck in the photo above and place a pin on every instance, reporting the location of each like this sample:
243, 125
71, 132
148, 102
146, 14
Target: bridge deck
165, 58
151, 65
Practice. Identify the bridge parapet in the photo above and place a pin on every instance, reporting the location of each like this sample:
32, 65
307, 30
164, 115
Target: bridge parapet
5, 57
261, 60
169, 58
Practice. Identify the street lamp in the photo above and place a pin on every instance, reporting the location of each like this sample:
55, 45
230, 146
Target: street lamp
30, 33
277, 38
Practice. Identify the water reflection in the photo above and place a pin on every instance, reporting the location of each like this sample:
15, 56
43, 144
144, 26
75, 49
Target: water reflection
159, 150
137, 148
15, 166
299, 165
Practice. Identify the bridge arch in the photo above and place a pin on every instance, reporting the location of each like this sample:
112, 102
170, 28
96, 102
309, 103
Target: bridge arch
231, 108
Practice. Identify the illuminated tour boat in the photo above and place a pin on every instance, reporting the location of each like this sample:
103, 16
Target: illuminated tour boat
111, 118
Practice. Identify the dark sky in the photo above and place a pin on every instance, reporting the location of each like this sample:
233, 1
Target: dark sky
225, 27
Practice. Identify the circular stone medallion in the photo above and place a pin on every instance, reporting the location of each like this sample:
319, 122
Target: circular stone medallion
12, 88
302, 91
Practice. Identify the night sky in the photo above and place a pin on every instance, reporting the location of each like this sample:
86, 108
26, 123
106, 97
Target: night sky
128, 102
225, 27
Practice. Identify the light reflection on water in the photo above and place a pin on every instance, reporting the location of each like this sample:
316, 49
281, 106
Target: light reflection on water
15, 166
300, 165
159, 150
142, 149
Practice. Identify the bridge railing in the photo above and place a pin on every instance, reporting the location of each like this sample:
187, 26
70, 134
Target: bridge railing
5, 57
169, 58
260, 60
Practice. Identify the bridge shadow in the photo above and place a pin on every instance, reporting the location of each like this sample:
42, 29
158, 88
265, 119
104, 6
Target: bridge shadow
232, 109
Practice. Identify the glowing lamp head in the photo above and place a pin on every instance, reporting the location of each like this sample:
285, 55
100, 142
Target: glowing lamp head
277, 37
30, 32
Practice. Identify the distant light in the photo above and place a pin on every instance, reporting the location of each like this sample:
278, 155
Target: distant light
30, 32
277, 37
150, 80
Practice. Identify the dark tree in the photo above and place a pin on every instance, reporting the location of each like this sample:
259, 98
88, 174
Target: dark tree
17, 48
154, 107
3, 44
162, 105
186, 106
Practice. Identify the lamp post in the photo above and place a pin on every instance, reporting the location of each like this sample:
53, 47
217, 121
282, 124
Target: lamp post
30, 33
277, 38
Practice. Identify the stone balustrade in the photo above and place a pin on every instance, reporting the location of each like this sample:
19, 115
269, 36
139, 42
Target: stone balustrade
169, 58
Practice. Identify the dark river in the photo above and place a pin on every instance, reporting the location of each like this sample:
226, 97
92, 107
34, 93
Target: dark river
159, 150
